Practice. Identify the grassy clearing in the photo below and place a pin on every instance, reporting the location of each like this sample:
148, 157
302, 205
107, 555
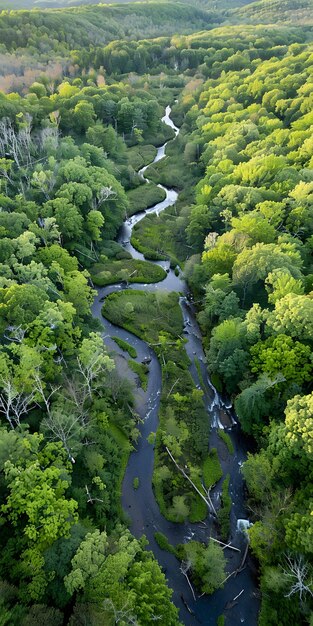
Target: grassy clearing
125, 346
141, 155
113, 250
146, 315
212, 471
173, 170
198, 510
126, 447
163, 134
144, 197
227, 440
223, 514
142, 371
165, 236
153, 237
128, 270
183, 426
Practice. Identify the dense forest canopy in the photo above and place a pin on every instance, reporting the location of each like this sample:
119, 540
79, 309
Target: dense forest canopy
273, 11
71, 142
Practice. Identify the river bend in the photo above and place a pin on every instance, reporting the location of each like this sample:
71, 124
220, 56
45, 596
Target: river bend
140, 504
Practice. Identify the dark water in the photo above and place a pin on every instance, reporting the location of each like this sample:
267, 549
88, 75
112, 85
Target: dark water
140, 504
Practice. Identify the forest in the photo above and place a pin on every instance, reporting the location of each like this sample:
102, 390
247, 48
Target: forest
83, 93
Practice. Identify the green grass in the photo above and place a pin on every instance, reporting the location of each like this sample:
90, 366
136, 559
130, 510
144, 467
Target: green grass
163, 134
136, 482
164, 543
129, 270
113, 250
146, 314
227, 440
144, 197
142, 371
157, 319
125, 346
126, 447
198, 510
223, 514
164, 236
221, 620
212, 471
141, 155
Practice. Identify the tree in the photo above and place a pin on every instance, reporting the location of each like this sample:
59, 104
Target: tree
293, 315
78, 292
280, 283
67, 216
95, 222
198, 226
83, 116
36, 506
87, 561
258, 229
66, 426
299, 425
207, 564
76, 193
281, 354
179, 510
20, 304
254, 264
153, 597
55, 327
258, 474
254, 403
55, 253
297, 573
36, 490
92, 363
103, 137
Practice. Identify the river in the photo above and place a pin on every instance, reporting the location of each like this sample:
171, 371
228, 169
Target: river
140, 505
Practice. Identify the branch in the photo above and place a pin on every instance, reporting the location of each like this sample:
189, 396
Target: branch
207, 501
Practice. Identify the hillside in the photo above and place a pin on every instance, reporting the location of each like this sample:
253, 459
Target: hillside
156, 313
32, 4
276, 11
61, 30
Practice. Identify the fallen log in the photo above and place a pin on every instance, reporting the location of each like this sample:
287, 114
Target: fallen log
226, 545
186, 605
182, 471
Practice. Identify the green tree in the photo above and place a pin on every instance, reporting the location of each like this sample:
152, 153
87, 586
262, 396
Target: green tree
281, 354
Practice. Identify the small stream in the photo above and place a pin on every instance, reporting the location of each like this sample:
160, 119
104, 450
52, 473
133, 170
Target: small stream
140, 505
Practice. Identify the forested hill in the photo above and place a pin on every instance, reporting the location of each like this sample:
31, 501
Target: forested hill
59, 31
30, 4
274, 11
71, 145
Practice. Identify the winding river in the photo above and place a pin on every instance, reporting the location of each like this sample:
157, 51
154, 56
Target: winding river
238, 600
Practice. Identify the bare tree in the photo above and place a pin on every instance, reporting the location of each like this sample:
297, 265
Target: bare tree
64, 427
123, 615
77, 395
102, 196
16, 144
43, 393
14, 403
15, 333
48, 138
184, 568
297, 574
